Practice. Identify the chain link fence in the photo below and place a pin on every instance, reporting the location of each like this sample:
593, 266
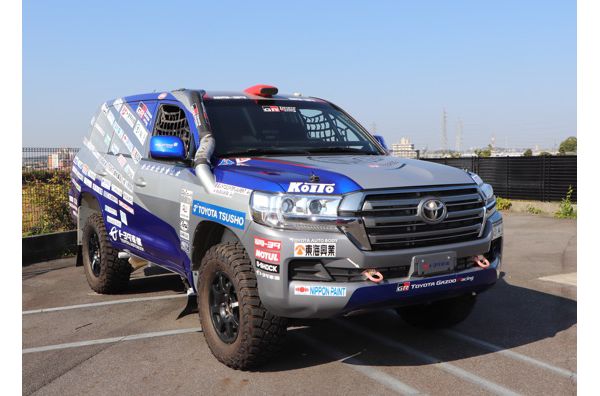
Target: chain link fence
45, 186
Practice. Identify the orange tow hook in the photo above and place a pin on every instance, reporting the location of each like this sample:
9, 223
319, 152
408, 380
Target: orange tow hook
481, 261
373, 275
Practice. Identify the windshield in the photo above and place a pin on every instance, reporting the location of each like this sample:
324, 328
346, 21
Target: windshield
272, 127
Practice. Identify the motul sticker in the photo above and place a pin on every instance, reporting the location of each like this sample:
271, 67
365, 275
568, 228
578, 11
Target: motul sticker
265, 255
267, 250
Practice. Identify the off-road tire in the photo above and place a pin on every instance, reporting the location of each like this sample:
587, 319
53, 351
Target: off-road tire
439, 314
113, 276
260, 333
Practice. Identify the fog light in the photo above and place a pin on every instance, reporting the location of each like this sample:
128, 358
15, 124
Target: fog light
315, 207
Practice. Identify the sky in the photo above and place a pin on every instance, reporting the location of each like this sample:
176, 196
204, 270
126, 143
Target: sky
505, 69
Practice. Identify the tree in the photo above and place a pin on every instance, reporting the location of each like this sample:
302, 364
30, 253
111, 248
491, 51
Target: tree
527, 153
545, 154
486, 152
569, 145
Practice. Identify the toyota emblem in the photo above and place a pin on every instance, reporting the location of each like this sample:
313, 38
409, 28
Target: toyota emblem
432, 210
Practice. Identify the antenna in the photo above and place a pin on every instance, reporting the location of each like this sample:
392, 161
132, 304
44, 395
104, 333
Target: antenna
444, 134
459, 131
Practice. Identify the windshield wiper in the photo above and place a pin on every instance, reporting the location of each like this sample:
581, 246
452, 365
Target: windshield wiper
263, 151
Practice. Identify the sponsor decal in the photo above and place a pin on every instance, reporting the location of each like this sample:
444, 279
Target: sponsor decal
121, 160
135, 154
118, 103
98, 189
277, 109
87, 182
273, 268
118, 130
321, 291
127, 116
242, 161
123, 217
114, 149
268, 256
105, 183
77, 185
140, 132
227, 190
110, 210
126, 238
106, 142
113, 221
144, 114
184, 210
163, 170
126, 207
184, 225
406, 286
116, 190
92, 174
127, 142
267, 244
229, 97
302, 249
185, 246
73, 206
186, 195
184, 235
315, 188
104, 108
302, 99
226, 161
99, 129
129, 171
77, 173
128, 197
267, 275
111, 118
219, 214
162, 95
111, 197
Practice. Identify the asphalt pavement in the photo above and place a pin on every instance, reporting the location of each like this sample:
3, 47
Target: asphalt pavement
520, 339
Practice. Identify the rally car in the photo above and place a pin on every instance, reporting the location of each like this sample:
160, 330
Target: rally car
273, 206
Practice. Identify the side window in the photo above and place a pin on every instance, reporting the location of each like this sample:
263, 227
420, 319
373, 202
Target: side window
171, 121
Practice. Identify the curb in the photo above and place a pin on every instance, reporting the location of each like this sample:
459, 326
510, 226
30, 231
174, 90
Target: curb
48, 246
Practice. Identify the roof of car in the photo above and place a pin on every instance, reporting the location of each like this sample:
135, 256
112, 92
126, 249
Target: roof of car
215, 95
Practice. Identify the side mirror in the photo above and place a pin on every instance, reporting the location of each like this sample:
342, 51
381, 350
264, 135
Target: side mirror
381, 141
167, 147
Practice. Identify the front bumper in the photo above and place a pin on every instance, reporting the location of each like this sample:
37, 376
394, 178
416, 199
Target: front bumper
310, 299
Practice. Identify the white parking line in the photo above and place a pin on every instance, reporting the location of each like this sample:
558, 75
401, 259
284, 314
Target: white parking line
569, 279
111, 340
512, 354
102, 303
454, 370
355, 364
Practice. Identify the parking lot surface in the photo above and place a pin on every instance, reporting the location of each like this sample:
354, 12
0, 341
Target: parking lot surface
520, 339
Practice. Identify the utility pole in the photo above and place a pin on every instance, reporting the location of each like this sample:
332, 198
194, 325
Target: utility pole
374, 128
459, 131
444, 134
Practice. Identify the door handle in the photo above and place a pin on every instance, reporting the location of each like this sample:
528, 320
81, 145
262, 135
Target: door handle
140, 182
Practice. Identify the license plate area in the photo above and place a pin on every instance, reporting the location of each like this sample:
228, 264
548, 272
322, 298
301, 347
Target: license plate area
434, 264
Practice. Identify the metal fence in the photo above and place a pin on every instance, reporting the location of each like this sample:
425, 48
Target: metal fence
45, 185
540, 178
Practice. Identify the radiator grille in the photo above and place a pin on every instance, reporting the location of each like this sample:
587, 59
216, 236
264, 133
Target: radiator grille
392, 220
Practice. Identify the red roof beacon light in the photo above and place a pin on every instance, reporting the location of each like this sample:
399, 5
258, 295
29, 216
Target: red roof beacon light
262, 90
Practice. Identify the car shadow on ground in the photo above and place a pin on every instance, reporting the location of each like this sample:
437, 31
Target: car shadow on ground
507, 316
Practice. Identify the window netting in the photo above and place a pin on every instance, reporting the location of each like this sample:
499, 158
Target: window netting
171, 121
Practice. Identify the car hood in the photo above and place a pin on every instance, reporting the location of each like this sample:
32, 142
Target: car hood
337, 174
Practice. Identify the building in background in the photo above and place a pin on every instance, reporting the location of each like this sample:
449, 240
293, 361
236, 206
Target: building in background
404, 149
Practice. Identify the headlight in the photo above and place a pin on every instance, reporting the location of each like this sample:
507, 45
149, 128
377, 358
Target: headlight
297, 212
488, 194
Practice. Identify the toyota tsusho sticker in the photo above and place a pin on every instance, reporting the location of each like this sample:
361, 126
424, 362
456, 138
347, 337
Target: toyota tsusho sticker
321, 291
267, 250
272, 268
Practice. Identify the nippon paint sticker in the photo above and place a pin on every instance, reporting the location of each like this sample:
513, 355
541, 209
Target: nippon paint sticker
140, 132
110, 197
128, 116
314, 188
123, 216
111, 210
302, 249
219, 214
321, 291
228, 190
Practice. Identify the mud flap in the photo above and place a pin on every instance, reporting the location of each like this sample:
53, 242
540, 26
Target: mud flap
191, 306
79, 257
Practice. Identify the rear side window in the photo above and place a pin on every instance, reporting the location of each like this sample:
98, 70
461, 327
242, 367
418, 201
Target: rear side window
171, 121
